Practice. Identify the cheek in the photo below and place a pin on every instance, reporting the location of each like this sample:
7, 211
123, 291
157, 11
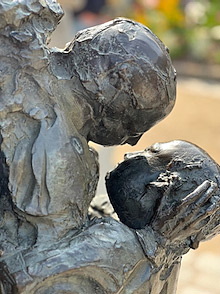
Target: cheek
109, 128
150, 200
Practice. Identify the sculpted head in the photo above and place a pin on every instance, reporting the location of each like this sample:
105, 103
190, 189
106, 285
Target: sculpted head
172, 170
126, 76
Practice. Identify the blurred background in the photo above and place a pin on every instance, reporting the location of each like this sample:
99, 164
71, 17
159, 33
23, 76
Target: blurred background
191, 30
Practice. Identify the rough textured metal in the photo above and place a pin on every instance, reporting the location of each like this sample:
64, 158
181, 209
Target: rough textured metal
127, 77
110, 84
176, 180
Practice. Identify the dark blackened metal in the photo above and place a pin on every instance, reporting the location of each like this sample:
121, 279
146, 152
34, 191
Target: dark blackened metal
132, 193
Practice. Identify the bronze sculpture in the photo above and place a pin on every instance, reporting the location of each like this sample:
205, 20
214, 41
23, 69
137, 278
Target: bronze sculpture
110, 85
152, 187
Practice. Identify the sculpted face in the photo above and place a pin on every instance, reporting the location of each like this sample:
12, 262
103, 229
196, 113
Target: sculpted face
127, 78
137, 186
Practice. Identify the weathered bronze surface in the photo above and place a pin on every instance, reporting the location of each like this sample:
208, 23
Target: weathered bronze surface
109, 85
171, 187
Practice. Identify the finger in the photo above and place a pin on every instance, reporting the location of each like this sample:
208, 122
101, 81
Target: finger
196, 194
178, 229
207, 195
184, 210
206, 213
192, 227
189, 206
193, 216
198, 198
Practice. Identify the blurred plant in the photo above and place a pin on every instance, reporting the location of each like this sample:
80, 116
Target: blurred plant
202, 30
190, 28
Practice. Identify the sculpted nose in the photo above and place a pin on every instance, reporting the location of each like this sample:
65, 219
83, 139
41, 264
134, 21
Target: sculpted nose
133, 140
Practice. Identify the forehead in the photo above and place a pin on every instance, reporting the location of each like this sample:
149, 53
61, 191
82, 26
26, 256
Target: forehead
159, 151
183, 154
175, 150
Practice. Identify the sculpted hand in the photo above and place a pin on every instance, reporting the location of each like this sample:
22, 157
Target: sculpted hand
189, 216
